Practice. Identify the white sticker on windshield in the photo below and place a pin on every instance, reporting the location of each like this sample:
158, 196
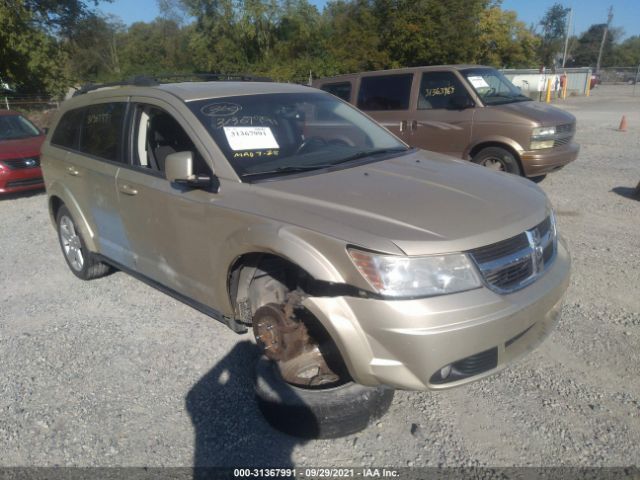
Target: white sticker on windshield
478, 82
250, 138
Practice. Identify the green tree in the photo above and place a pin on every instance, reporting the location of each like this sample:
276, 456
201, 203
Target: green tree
553, 32
94, 49
627, 53
216, 40
504, 41
30, 58
428, 32
585, 53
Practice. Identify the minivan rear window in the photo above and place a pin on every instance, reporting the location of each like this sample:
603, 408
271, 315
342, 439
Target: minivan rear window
385, 92
341, 90
102, 130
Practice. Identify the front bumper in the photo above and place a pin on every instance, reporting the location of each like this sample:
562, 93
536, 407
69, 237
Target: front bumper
541, 162
12, 181
405, 343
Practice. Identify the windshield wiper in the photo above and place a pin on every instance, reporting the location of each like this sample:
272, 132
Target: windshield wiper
369, 153
306, 168
288, 169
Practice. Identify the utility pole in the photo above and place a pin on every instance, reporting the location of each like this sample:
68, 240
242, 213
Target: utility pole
604, 37
566, 37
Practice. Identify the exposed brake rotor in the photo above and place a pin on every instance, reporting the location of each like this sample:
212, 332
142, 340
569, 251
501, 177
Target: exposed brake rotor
285, 339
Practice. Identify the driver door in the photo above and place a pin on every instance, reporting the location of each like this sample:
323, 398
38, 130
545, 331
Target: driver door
169, 227
439, 123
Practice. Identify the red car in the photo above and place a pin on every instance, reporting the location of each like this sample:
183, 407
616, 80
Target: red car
20, 142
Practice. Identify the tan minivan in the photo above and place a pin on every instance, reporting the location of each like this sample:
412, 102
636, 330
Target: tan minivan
466, 111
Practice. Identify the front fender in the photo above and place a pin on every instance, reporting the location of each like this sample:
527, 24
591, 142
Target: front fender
323, 257
493, 140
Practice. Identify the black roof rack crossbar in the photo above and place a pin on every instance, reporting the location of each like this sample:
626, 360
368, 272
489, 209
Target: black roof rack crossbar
150, 81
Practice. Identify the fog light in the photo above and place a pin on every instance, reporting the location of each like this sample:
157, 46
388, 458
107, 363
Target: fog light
445, 371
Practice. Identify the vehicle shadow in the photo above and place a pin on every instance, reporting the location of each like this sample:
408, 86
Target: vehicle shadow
627, 192
229, 428
25, 194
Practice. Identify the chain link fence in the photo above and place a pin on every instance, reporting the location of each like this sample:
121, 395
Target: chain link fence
27, 102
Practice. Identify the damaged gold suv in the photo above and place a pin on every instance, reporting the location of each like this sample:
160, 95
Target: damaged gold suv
358, 262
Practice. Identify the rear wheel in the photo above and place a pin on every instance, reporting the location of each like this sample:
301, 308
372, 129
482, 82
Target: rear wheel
83, 263
497, 158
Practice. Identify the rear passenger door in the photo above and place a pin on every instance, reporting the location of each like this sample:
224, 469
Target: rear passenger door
386, 98
439, 123
169, 226
91, 169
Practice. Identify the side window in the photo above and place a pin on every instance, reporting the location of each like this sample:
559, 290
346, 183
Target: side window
341, 90
437, 89
385, 92
102, 129
66, 133
157, 134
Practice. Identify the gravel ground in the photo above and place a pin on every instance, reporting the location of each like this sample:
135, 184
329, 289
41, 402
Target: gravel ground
114, 373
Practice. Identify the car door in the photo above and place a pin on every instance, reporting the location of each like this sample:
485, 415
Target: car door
386, 98
443, 118
91, 170
169, 225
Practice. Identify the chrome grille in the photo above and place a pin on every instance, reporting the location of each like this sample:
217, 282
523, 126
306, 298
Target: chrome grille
558, 142
514, 263
19, 163
566, 128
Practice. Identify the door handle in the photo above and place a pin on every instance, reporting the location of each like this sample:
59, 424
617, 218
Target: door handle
128, 189
73, 171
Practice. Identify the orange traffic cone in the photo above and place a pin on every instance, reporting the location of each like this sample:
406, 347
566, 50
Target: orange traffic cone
623, 124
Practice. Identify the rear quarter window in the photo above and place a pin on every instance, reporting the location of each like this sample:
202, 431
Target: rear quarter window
341, 90
102, 130
385, 92
67, 131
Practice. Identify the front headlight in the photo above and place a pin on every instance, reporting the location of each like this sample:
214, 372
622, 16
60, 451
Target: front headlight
540, 138
397, 276
543, 132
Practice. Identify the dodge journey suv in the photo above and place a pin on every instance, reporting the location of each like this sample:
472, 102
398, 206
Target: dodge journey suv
360, 264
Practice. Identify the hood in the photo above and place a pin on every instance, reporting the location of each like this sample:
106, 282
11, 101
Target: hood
538, 112
422, 203
20, 147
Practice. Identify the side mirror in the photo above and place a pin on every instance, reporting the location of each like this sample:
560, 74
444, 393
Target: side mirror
45, 130
178, 168
460, 102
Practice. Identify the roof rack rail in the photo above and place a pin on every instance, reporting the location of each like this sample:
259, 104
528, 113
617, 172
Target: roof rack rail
150, 81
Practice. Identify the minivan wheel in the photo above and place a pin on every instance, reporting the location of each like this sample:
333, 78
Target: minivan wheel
80, 260
310, 413
498, 158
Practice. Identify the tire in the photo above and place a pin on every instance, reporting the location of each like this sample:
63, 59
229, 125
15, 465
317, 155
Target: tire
538, 179
499, 159
83, 263
307, 413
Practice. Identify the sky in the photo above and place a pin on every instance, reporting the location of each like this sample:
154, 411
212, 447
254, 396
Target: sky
626, 13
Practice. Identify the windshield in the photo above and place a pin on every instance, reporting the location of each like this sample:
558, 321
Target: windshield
13, 127
279, 134
493, 87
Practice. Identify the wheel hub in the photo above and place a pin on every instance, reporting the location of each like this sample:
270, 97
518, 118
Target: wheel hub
286, 340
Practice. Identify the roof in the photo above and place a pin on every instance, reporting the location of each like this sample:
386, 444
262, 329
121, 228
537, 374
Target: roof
408, 70
189, 91
9, 112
